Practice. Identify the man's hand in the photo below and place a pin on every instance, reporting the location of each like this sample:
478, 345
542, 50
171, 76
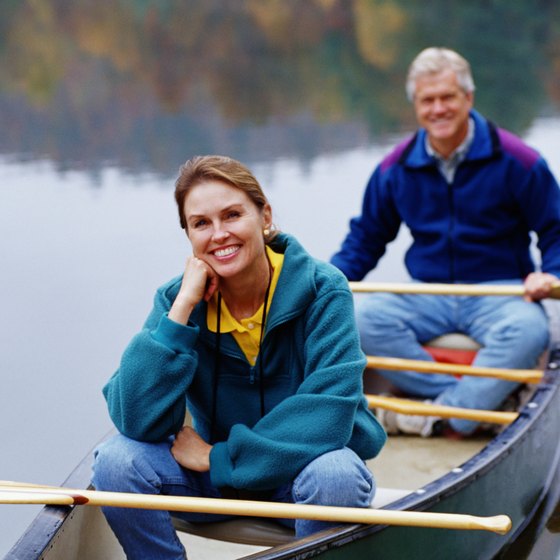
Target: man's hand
191, 451
538, 285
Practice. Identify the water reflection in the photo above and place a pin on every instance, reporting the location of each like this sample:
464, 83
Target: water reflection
141, 84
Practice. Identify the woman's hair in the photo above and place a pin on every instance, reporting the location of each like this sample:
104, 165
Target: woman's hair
200, 169
434, 60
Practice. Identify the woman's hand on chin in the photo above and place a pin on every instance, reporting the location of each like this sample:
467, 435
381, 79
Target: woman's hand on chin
200, 281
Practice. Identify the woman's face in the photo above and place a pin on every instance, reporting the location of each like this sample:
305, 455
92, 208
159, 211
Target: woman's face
225, 228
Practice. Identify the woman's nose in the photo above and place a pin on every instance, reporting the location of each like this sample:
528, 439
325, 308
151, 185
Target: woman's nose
219, 232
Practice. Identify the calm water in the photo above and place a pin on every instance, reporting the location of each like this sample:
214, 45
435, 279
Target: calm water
100, 104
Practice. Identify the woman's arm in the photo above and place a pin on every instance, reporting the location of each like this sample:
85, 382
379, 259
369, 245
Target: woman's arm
147, 395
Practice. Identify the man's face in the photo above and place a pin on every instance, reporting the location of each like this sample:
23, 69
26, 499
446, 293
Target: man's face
442, 108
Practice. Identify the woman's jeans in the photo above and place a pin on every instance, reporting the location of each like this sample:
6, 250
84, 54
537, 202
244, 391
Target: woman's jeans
338, 478
513, 334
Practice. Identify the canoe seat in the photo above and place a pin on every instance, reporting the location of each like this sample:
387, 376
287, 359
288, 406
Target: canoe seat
454, 348
242, 530
454, 340
261, 531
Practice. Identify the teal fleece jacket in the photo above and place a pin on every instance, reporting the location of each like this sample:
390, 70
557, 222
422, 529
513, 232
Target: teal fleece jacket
312, 367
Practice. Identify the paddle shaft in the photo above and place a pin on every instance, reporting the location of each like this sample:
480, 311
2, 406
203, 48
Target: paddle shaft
446, 289
406, 406
424, 366
25, 494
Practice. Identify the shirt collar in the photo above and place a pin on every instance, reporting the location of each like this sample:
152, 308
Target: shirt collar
449, 165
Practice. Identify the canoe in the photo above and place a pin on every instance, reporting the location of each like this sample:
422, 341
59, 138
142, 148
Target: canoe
510, 473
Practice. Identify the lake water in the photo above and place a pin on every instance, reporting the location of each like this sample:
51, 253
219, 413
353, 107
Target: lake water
100, 105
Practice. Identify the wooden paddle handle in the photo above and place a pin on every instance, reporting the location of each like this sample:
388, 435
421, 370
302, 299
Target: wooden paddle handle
25, 494
446, 289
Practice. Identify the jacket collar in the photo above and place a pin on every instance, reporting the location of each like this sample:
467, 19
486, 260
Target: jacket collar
296, 287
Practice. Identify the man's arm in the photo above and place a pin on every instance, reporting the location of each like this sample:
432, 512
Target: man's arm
370, 232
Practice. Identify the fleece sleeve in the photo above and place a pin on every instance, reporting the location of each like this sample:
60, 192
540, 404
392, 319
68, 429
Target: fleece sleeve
370, 232
146, 395
318, 418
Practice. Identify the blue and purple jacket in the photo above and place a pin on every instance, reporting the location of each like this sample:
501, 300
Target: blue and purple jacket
475, 229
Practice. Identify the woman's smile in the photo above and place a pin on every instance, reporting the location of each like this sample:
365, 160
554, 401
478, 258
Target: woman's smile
223, 253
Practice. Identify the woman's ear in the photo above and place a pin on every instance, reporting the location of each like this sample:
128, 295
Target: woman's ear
267, 216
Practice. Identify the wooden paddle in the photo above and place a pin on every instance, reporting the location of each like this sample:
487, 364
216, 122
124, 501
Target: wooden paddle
14, 493
407, 406
446, 289
424, 366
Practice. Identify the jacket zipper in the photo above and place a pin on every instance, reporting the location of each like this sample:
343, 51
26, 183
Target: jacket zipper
452, 217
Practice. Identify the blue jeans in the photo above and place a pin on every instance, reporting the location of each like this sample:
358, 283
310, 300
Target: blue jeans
513, 333
337, 478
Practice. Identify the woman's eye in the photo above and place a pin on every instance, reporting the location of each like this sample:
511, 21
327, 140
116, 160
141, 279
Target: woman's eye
233, 214
199, 223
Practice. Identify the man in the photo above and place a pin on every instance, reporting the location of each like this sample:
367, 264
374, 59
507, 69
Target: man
471, 194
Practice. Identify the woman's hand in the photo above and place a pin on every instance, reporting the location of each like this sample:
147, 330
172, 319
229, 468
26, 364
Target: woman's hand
191, 451
199, 282
538, 285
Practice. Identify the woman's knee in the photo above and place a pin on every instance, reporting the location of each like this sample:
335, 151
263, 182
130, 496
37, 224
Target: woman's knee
336, 478
119, 464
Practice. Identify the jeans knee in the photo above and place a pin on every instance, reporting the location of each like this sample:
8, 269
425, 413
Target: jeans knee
530, 336
372, 315
119, 466
108, 466
338, 478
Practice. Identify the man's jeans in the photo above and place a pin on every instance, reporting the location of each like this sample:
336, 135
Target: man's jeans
513, 333
337, 478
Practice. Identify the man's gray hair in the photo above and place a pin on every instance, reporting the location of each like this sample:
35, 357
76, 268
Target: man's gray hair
434, 60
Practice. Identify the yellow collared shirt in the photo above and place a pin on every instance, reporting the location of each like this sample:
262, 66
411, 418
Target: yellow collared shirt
246, 332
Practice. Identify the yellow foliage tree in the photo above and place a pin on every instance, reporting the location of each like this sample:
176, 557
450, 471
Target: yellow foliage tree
379, 26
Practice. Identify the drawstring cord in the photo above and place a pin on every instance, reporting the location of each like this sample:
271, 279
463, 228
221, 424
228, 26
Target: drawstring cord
261, 356
216, 371
217, 360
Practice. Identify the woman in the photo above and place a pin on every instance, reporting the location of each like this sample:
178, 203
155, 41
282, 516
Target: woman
257, 340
